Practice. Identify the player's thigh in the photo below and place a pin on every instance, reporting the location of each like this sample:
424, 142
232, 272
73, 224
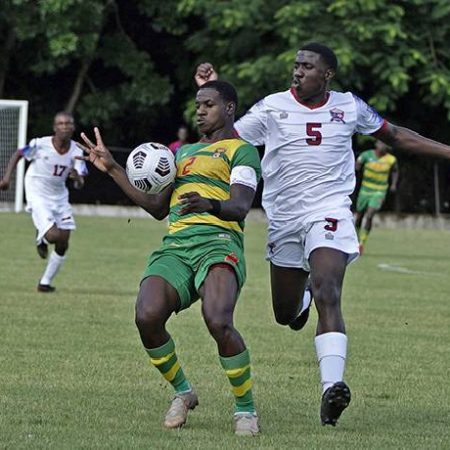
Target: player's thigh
362, 202
287, 286
328, 267
219, 293
156, 300
170, 266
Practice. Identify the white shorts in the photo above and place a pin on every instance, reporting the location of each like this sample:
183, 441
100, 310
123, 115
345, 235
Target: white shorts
291, 246
45, 214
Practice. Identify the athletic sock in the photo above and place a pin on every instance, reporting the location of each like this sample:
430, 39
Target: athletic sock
237, 369
331, 350
363, 236
307, 298
54, 264
165, 360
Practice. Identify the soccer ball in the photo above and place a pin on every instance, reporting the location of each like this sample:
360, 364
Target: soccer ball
151, 167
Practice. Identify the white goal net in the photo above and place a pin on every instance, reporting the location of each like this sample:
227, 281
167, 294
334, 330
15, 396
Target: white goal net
13, 135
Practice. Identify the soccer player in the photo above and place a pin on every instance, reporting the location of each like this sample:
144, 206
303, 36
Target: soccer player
202, 254
378, 165
309, 174
52, 160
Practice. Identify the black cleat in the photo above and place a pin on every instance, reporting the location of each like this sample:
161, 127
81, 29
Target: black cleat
45, 288
334, 400
300, 321
42, 250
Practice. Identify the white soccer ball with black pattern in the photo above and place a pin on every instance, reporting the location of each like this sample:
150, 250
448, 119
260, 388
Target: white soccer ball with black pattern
151, 167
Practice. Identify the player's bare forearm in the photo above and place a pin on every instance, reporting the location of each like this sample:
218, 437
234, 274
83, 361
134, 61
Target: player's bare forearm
235, 209
156, 205
12, 163
405, 139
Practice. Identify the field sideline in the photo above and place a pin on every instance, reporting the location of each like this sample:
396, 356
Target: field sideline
73, 374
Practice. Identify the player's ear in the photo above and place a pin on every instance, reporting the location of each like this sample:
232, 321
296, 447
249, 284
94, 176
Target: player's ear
329, 74
231, 108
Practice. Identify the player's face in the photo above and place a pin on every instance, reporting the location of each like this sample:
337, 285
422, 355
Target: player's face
212, 111
310, 75
63, 126
381, 147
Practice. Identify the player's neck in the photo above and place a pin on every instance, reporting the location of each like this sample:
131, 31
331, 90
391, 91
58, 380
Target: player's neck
315, 101
61, 145
219, 135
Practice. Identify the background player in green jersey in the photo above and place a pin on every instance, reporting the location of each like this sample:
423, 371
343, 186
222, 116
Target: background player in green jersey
378, 166
202, 254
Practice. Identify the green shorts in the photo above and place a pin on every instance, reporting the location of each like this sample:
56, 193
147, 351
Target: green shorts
373, 200
185, 257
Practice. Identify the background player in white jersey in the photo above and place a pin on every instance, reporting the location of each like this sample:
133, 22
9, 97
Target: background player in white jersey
52, 161
308, 171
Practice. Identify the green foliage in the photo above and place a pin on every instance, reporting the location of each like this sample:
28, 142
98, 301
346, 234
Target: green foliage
138, 57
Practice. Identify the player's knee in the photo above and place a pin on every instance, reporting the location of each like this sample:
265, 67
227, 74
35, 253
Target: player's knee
283, 317
61, 247
147, 317
218, 325
327, 294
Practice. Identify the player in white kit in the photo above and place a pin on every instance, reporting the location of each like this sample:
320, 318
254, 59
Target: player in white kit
52, 160
309, 173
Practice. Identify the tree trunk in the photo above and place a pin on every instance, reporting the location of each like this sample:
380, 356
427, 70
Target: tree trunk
76, 92
5, 55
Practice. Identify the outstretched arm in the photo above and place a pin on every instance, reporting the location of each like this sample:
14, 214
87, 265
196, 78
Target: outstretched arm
6, 180
405, 139
99, 155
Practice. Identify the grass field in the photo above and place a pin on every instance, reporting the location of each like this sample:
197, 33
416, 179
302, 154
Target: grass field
73, 374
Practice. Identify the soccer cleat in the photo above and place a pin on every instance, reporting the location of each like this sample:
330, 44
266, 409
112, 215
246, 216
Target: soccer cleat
300, 321
45, 288
246, 424
177, 414
42, 250
334, 400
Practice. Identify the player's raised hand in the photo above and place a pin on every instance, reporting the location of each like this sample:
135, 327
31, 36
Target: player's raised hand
98, 154
193, 202
4, 185
205, 72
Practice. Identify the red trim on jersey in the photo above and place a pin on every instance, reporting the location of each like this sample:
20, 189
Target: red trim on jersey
236, 133
384, 125
318, 105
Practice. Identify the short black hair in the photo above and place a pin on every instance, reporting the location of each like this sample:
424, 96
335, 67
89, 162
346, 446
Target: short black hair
64, 113
225, 89
327, 54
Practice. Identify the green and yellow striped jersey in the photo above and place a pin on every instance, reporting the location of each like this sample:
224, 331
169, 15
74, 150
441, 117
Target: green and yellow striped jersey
206, 168
376, 171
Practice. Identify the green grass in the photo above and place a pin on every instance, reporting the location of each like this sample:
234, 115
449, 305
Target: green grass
73, 374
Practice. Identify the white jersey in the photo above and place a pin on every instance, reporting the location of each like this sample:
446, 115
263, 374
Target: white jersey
308, 166
47, 174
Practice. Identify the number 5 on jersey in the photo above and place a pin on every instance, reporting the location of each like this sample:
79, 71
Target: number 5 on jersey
316, 135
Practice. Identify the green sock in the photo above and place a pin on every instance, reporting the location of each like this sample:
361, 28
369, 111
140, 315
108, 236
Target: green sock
165, 360
238, 372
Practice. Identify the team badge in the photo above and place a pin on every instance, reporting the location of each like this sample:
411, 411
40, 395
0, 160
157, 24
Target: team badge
337, 115
219, 152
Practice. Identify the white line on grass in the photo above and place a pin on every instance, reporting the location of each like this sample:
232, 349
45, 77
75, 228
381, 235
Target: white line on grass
401, 269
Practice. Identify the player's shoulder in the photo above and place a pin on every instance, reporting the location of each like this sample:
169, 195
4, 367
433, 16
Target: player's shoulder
391, 158
277, 98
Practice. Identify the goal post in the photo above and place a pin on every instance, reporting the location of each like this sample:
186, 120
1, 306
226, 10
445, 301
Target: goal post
13, 135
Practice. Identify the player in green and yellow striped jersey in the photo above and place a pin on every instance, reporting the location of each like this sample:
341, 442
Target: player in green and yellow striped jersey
379, 166
202, 255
